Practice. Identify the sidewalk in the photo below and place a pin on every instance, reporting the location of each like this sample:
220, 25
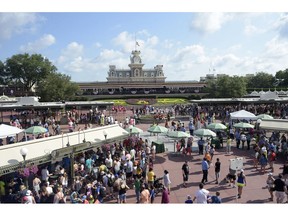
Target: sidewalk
254, 192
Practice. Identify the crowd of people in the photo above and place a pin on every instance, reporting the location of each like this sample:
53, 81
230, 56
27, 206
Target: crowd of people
105, 175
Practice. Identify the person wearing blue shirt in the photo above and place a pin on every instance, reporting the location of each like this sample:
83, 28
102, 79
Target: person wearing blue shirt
201, 143
205, 167
216, 199
189, 200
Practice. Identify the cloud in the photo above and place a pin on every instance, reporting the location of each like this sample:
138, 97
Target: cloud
17, 23
250, 30
40, 44
210, 22
281, 25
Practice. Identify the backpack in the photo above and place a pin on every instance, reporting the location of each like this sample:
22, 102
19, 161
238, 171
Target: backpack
102, 191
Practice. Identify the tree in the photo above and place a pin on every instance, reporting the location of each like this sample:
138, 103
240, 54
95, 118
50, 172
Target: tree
227, 87
281, 78
56, 87
2, 74
260, 80
27, 70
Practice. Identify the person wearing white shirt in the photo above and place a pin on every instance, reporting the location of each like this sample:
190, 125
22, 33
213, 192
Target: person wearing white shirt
201, 195
45, 174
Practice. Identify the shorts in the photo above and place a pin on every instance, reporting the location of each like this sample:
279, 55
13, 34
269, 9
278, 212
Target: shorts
240, 184
280, 195
185, 177
229, 176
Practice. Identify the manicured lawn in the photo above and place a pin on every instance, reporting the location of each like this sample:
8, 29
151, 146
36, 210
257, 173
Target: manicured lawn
160, 101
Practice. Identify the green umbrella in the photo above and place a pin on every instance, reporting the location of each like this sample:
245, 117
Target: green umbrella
157, 129
36, 130
217, 126
134, 130
177, 134
264, 116
243, 125
202, 132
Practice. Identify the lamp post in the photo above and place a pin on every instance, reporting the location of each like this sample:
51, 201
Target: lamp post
68, 143
84, 140
24, 152
105, 134
130, 129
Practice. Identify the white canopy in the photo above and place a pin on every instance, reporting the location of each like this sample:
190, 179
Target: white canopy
10, 154
274, 124
7, 130
243, 114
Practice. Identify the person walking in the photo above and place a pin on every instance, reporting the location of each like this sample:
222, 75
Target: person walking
228, 145
205, 167
165, 196
270, 185
201, 195
166, 180
280, 189
185, 173
241, 182
217, 169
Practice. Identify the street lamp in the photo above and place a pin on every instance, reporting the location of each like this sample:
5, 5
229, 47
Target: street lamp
105, 134
68, 143
23, 152
130, 128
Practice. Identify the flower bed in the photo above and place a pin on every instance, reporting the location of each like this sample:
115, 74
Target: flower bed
141, 101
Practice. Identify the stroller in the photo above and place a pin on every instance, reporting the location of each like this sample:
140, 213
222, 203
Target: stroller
158, 185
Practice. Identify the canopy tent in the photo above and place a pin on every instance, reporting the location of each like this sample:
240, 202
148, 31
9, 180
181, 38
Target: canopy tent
274, 124
59, 144
8, 130
242, 114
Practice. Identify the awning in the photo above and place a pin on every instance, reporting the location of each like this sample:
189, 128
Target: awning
274, 124
65, 144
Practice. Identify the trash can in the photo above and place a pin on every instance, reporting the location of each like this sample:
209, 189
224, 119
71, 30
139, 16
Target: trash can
216, 143
160, 148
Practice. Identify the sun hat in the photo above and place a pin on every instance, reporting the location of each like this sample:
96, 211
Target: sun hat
28, 192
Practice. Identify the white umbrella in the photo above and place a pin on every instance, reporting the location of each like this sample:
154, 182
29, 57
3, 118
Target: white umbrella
243, 125
134, 130
157, 129
202, 132
217, 126
264, 116
177, 134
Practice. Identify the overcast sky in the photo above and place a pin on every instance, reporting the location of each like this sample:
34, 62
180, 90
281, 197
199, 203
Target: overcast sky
188, 44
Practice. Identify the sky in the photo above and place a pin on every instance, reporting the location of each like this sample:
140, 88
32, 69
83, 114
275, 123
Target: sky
82, 42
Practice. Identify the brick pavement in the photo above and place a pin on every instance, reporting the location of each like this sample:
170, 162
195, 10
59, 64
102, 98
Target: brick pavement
254, 192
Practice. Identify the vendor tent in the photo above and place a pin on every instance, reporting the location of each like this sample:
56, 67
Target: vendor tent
242, 114
8, 130
274, 124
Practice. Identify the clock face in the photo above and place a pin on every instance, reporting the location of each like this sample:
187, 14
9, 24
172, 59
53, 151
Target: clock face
136, 59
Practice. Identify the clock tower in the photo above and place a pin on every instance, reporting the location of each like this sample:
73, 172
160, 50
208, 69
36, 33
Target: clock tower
136, 64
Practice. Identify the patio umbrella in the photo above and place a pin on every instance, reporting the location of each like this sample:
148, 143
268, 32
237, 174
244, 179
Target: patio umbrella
36, 130
264, 116
202, 132
177, 134
157, 129
243, 125
217, 126
134, 130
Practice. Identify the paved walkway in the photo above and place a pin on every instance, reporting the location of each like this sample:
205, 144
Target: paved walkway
254, 192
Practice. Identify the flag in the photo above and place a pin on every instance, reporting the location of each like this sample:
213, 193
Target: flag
137, 44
